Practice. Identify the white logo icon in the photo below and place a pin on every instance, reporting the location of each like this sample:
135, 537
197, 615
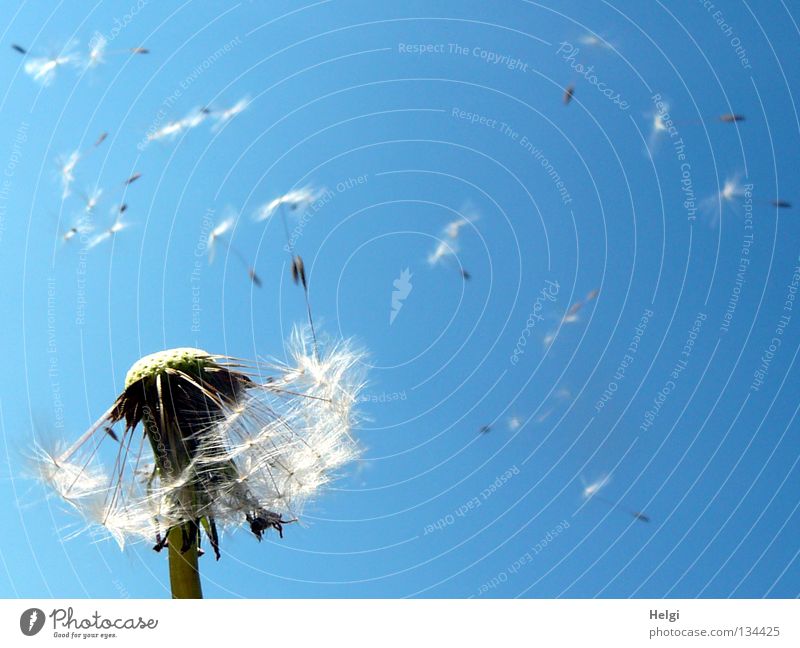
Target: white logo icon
402, 290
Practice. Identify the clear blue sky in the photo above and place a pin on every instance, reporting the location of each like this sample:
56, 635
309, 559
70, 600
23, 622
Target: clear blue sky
338, 93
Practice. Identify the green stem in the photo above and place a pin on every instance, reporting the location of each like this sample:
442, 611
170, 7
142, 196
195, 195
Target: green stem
184, 577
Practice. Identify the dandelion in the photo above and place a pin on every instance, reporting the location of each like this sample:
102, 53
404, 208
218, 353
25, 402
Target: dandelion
132, 179
172, 129
590, 40
658, 126
444, 254
295, 200
117, 226
218, 235
569, 92
514, 423
468, 216
81, 227
730, 118
67, 171
97, 50
781, 204
731, 192
91, 199
202, 447
43, 69
485, 429
591, 491
224, 116
19, 48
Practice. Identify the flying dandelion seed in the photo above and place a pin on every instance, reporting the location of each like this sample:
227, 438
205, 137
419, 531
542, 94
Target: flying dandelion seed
590, 40
100, 139
444, 254
224, 116
781, 204
514, 423
218, 235
97, 51
591, 491
295, 200
43, 69
442, 251
548, 339
658, 126
19, 48
592, 294
106, 235
485, 429
216, 450
132, 179
467, 217
569, 92
575, 308
730, 118
91, 199
730, 194
81, 227
174, 128
67, 172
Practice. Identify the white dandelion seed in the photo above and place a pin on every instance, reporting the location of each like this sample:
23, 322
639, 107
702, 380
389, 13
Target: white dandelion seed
81, 227
97, 51
514, 423
219, 448
221, 229
43, 69
590, 490
730, 194
91, 199
116, 227
219, 236
67, 166
443, 250
174, 128
590, 40
468, 215
222, 117
295, 200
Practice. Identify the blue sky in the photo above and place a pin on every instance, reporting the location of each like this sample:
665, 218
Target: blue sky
411, 115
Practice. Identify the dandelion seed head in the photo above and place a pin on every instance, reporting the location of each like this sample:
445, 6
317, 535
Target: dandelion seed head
222, 447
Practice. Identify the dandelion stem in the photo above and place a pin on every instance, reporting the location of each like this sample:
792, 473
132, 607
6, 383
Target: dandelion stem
184, 577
